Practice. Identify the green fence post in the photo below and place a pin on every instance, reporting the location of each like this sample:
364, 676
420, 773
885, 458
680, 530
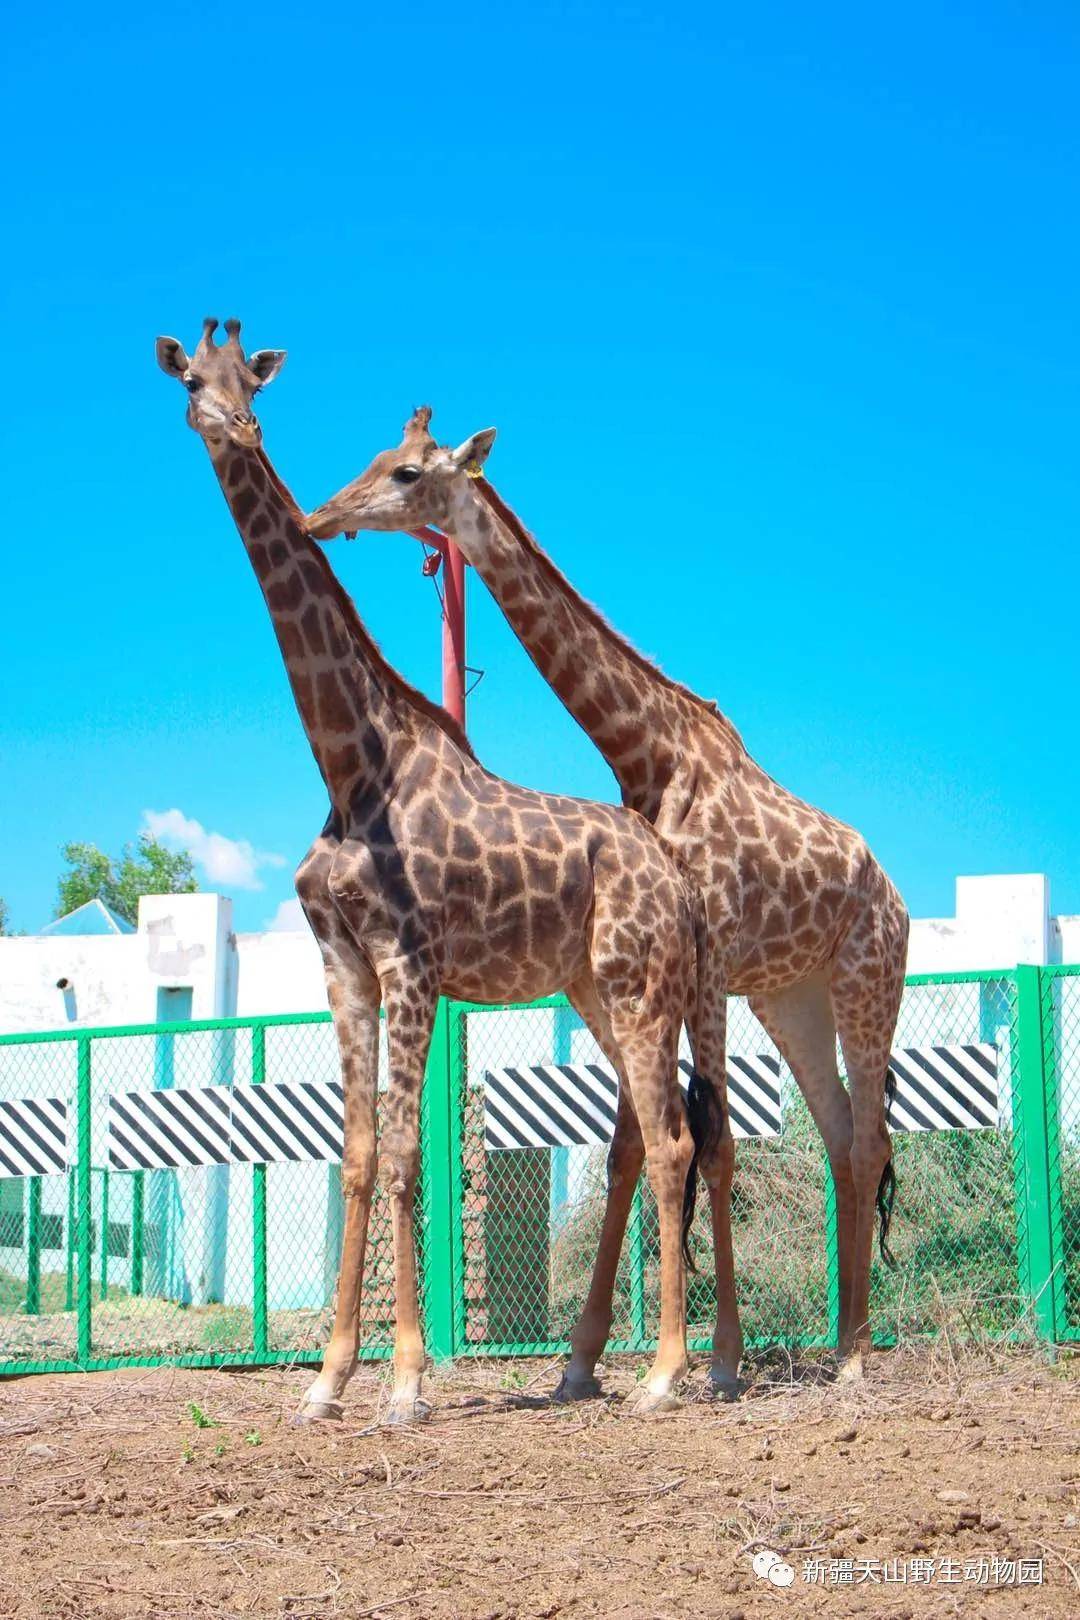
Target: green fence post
33, 1246
1051, 1012
832, 1258
138, 1198
444, 1306
69, 1243
638, 1325
1035, 1180
259, 1314
83, 1202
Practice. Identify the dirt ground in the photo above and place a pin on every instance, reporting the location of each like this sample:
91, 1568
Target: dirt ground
163, 1495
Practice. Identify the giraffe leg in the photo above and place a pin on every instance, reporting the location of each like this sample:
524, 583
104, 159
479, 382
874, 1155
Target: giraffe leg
410, 1013
866, 1000
625, 1158
708, 1031
590, 1334
650, 1055
354, 1000
800, 1021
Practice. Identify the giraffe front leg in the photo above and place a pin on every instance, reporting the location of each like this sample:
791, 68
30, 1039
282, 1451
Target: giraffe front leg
410, 1012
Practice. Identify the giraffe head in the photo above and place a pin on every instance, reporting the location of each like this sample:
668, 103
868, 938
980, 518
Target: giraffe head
221, 383
406, 488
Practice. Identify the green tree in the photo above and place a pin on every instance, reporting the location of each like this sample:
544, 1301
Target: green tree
146, 867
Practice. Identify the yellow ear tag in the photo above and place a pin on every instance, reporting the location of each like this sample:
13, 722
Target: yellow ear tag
473, 469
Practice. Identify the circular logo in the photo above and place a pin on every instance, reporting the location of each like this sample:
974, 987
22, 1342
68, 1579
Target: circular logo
769, 1566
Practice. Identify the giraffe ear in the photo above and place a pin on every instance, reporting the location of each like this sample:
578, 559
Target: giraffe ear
474, 449
266, 363
171, 357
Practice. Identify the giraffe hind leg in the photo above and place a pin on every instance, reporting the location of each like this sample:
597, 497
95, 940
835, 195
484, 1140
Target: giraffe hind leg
866, 1004
625, 1158
800, 1021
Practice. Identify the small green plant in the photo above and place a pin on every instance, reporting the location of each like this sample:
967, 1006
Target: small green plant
253, 1438
220, 1449
188, 1452
513, 1379
201, 1419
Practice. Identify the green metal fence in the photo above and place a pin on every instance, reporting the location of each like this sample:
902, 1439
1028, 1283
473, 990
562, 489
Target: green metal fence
235, 1262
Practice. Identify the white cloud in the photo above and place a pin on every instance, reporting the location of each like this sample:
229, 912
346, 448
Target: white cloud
287, 919
231, 862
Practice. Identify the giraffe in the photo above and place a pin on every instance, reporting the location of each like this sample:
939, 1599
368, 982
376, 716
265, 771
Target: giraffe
432, 876
803, 921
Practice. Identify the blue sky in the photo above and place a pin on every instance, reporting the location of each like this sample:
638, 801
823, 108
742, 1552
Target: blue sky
774, 309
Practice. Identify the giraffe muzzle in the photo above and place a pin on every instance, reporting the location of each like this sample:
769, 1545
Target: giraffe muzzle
244, 430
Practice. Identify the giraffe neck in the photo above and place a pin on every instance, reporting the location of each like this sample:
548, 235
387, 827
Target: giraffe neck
357, 712
639, 719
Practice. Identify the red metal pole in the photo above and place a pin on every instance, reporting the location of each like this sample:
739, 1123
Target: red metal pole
453, 656
453, 636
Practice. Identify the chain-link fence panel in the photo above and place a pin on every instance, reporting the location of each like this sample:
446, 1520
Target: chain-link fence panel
170, 1281
956, 1157
532, 1197
38, 1280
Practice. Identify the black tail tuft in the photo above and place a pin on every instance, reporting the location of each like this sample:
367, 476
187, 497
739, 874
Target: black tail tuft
886, 1192
706, 1115
890, 1093
886, 1197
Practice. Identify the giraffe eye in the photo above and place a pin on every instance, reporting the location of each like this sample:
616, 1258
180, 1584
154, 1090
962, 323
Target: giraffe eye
406, 474
192, 384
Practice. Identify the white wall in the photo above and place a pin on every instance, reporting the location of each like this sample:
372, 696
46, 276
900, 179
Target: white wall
184, 941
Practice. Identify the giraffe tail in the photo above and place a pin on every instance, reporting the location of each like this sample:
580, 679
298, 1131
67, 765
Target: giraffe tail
886, 1193
704, 1108
706, 1115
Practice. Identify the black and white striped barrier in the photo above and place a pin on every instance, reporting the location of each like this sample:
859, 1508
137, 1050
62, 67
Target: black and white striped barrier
945, 1088
33, 1137
573, 1104
302, 1122
938, 1088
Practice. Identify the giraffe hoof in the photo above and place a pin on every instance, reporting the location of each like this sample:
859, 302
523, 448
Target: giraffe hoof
576, 1389
406, 1413
650, 1402
313, 1412
852, 1368
724, 1387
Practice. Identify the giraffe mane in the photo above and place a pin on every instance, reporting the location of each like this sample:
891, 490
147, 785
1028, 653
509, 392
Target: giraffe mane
509, 518
369, 647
